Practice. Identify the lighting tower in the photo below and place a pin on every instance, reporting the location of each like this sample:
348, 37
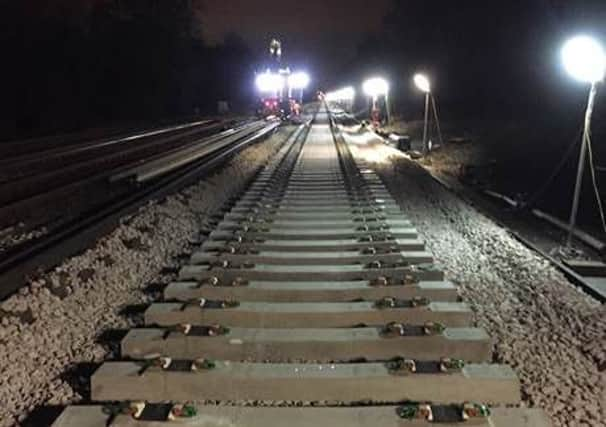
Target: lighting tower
422, 83
585, 61
375, 87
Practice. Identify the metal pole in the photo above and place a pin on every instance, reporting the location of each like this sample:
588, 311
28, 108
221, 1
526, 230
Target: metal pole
581, 166
435, 116
387, 110
425, 127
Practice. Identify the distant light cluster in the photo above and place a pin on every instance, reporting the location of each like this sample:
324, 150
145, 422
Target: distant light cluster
269, 82
344, 94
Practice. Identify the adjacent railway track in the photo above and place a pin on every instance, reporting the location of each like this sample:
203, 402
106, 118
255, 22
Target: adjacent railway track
31, 185
313, 303
123, 175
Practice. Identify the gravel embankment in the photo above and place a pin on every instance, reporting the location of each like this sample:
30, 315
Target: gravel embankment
552, 334
50, 331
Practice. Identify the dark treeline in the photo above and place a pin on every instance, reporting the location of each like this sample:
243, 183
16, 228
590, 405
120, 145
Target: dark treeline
117, 61
486, 59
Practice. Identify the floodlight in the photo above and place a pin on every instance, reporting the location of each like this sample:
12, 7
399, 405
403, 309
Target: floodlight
375, 87
344, 94
331, 96
422, 82
268, 82
298, 80
347, 93
584, 59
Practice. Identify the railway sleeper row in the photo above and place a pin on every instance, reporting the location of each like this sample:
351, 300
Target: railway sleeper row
158, 415
313, 302
312, 291
428, 342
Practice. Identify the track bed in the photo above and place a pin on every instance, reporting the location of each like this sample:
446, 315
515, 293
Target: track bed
313, 302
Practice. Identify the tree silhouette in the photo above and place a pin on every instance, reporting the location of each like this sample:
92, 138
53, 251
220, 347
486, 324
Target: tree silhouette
125, 61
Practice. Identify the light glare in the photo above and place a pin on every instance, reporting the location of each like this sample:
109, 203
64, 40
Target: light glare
269, 82
344, 94
422, 82
584, 59
347, 94
375, 87
298, 80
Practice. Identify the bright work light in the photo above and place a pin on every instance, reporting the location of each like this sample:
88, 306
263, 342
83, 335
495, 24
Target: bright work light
422, 83
584, 59
268, 82
345, 94
375, 87
298, 80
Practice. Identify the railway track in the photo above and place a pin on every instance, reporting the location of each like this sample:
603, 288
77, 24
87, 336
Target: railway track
30, 185
312, 303
122, 179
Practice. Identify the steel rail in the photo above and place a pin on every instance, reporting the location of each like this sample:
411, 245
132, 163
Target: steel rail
16, 150
54, 164
81, 233
28, 200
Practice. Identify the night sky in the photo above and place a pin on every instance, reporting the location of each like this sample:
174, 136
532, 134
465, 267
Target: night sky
329, 30
305, 19
317, 35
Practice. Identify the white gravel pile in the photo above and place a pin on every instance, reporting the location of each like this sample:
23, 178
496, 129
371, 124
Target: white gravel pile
52, 327
553, 335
